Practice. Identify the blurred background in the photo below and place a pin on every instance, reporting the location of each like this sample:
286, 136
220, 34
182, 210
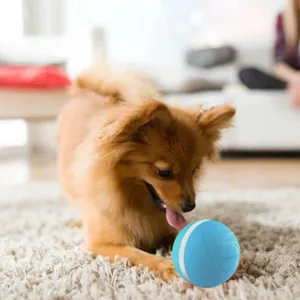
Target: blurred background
193, 49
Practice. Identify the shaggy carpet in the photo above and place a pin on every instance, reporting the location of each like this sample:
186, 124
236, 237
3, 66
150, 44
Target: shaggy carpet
41, 258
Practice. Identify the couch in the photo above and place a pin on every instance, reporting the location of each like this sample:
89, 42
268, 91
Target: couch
265, 120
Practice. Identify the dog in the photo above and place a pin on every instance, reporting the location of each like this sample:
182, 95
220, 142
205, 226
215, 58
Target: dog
130, 163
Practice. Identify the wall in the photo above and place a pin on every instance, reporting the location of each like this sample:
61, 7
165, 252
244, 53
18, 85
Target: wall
43, 18
155, 33
235, 21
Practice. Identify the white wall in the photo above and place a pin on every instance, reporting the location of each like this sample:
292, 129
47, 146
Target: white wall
43, 18
155, 33
235, 20
12, 133
11, 25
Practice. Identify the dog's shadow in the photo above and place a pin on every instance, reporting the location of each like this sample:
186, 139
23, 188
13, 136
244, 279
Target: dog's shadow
266, 251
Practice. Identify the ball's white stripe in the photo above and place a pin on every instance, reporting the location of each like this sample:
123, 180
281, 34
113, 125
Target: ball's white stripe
182, 248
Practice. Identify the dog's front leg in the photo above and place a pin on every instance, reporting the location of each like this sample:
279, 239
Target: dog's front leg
161, 267
168, 240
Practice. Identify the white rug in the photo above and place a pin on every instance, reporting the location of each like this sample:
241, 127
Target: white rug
41, 258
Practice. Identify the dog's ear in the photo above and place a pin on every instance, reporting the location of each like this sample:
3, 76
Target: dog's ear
154, 115
134, 118
213, 120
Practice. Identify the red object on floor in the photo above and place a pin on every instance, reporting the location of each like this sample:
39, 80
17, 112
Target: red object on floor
33, 77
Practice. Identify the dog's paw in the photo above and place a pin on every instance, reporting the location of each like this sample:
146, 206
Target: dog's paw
165, 270
184, 286
74, 224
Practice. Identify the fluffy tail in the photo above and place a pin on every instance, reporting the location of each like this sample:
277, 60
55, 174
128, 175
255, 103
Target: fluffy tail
122, 85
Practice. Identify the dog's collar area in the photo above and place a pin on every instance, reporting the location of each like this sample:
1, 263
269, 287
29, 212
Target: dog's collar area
155, 197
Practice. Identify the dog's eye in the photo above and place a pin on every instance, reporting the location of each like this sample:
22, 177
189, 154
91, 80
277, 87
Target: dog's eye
165, 174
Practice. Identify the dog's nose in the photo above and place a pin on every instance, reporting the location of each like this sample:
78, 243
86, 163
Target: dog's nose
187, 206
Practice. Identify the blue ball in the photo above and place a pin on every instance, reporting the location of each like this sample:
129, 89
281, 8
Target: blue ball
206, 253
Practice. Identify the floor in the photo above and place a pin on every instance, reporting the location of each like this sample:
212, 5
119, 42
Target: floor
226, 174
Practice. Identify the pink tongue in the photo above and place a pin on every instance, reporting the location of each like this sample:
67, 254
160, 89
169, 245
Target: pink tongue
175, 219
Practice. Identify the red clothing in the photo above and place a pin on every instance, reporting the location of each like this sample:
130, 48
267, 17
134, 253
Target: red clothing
281, 53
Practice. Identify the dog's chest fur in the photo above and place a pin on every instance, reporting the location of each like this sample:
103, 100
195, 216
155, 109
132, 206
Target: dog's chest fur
143, 224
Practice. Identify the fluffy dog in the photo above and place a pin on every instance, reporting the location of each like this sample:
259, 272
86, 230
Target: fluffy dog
130, 162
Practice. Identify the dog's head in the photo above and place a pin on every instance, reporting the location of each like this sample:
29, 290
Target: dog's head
164, 148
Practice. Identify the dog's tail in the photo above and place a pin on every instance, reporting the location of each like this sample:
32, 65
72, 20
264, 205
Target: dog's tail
122, 84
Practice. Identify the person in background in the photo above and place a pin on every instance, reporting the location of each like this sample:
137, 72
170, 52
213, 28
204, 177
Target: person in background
286, 56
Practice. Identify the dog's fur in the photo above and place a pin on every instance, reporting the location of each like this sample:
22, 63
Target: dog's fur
114, 134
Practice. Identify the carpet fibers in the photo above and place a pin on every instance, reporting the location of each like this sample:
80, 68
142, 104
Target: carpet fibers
41, 258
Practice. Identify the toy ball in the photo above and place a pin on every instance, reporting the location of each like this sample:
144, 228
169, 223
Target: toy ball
206, 253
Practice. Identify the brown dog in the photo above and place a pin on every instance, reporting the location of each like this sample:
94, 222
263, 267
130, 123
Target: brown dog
130, 163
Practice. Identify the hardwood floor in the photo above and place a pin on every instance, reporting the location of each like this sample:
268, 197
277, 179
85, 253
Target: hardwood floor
253, 173
226, 174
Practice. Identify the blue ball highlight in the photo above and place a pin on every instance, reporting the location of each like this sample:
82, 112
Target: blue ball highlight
206, 253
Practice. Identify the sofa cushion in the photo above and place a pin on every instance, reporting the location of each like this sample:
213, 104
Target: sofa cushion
33, 77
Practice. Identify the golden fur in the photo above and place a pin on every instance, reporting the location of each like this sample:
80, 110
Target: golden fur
114, 134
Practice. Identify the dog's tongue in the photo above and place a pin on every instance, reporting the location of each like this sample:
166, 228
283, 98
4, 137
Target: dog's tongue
175, 219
